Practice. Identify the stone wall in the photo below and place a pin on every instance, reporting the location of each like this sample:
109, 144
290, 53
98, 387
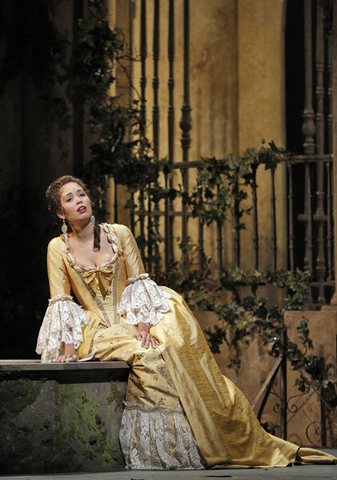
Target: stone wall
61, 417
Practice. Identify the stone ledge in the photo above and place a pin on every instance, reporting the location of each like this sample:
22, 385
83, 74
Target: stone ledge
93, 371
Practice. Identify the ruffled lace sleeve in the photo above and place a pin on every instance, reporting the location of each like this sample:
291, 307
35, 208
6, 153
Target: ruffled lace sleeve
61, 325
143, 301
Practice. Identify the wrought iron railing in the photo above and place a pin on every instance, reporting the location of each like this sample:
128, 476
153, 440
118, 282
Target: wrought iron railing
310, 226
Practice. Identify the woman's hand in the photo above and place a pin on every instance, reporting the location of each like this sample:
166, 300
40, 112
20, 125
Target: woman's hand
146, 338
69, 351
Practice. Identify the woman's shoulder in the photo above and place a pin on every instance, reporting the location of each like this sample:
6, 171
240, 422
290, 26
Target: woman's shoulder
118, 229
55, 244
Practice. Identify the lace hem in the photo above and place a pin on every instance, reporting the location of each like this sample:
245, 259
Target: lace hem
164, 411
158, 440
143, 301
62, 324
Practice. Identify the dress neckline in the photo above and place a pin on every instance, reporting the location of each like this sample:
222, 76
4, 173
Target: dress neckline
111, 239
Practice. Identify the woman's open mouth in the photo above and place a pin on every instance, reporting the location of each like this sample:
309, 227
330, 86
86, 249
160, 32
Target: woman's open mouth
82, 209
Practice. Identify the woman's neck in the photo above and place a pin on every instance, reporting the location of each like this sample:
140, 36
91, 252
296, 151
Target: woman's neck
82, 233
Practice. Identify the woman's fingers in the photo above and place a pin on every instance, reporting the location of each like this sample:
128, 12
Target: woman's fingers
147, 340
64, 358
59, 359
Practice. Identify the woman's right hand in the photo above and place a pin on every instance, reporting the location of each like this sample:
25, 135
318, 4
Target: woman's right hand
143, 335
69, 351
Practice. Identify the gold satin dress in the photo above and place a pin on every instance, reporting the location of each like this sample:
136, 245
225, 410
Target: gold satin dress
180, 411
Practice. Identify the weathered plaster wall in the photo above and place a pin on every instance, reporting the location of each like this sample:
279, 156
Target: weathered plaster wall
236, 96
261, 110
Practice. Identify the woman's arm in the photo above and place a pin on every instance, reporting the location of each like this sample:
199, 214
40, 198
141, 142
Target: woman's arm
61, 330
142, 303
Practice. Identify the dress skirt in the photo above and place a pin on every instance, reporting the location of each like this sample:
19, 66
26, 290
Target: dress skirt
180, 411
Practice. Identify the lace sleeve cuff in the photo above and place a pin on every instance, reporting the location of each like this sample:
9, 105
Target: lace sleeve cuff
143, 301
62, 324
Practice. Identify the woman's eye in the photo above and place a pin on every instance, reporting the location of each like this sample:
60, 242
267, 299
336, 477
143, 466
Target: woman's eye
68, 199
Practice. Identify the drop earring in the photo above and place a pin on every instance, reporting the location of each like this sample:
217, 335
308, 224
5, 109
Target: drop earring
92, 221
64, 228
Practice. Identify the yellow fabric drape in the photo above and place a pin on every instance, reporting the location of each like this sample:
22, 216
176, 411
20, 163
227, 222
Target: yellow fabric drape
224, 425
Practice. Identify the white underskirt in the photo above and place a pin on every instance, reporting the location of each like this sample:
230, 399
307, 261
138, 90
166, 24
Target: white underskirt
158, 438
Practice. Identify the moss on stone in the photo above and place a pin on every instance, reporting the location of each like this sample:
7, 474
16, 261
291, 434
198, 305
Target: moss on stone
115, 395
15, 395
80, 430
76, 433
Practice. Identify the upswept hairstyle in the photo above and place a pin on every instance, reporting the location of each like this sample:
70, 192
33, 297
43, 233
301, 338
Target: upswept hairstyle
53, 195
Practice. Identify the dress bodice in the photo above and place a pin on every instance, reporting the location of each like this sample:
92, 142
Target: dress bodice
116, 291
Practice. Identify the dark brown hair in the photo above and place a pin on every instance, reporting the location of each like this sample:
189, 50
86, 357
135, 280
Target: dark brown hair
53, 195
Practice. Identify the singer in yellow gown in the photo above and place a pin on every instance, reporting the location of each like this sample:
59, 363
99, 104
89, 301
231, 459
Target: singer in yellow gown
180, 411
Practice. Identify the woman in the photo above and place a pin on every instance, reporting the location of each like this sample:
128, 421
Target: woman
180, 412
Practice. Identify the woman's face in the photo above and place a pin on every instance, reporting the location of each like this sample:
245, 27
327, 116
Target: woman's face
75, 203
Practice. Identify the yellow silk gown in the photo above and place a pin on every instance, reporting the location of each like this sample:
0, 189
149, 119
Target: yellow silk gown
180, 411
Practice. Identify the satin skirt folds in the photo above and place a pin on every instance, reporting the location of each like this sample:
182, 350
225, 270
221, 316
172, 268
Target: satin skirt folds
224, 425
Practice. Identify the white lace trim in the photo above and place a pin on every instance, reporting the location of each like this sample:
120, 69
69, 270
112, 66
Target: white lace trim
62, 324
58, 298
142, 276
143, 301
158, 440
151, 409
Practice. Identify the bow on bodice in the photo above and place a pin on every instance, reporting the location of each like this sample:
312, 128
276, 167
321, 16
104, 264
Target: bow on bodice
99, 277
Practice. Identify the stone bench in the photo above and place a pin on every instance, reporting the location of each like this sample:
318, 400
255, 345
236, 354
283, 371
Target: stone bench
61, 417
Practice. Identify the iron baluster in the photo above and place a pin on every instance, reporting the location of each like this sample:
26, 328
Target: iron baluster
219, 239
273, 221
330, 94
329, 221
169, 253
320, 214
308, 126
291, 219
143, 55
237, 246
255, 219
185, 122
155, 121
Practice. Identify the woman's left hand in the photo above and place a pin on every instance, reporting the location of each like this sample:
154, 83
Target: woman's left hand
145, 337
